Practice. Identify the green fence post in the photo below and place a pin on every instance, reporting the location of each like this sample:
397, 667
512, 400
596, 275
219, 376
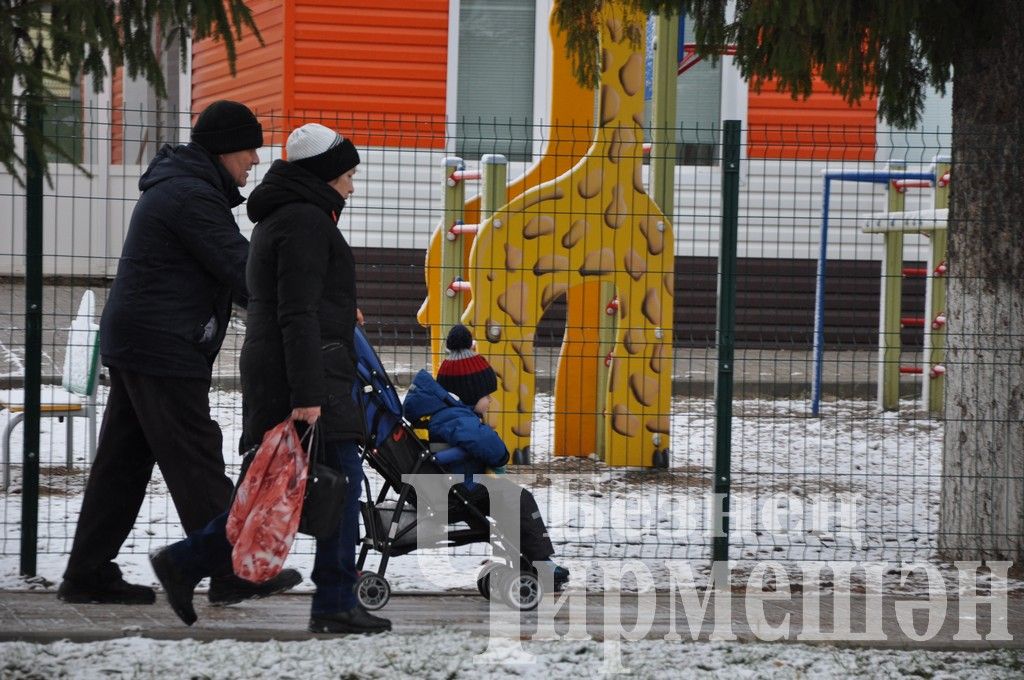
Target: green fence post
891, 297
726, 330
33, 340
452, 261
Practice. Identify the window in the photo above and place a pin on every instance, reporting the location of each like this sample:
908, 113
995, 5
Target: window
698, 109
62, 115
62, 122
494, 107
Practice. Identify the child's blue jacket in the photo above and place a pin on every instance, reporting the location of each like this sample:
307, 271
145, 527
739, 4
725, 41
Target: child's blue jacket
456, 424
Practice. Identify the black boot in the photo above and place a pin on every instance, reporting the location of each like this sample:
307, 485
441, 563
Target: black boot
108, 587
559, 575
178, 585
355, 620
231, 589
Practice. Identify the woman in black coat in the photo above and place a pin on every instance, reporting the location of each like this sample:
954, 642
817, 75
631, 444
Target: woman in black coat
297, 361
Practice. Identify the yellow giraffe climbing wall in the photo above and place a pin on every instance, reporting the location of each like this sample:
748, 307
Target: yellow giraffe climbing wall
569, 136
595, 223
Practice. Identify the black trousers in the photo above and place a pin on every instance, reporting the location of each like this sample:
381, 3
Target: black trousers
148, 419
532, 534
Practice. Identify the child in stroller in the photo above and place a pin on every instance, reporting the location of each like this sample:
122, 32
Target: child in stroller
453, 406
461, 446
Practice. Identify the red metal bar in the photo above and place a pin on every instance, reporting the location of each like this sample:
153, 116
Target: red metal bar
944, 180
463, 175
460, 228
911, 370
456, 286
904, 184
912, 321
915, 271
691, 58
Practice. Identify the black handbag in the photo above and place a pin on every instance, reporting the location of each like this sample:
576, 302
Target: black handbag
324, 502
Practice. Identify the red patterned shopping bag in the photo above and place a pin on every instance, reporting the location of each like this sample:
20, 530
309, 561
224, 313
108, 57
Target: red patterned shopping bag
265, 512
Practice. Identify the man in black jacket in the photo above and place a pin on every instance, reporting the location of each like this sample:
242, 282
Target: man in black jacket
182, 265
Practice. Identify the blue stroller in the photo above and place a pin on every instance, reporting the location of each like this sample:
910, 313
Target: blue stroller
396, 520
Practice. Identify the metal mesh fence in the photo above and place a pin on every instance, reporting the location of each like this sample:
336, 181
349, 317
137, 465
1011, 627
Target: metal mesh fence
817, 473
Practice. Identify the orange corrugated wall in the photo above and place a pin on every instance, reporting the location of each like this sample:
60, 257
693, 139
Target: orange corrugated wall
117, 117
375, 69
259, 79
821, 127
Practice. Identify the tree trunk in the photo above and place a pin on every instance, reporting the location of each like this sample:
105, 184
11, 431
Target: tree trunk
982, 505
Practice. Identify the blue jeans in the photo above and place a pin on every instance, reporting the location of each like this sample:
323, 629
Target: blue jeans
207, 552
334, 569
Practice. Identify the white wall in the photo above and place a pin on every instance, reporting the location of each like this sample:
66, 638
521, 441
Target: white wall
398, 203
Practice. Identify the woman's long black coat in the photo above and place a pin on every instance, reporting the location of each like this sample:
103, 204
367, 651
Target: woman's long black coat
302, 307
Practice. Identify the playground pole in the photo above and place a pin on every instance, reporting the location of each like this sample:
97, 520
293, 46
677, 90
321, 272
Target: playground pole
726, 349
452, 259
891, 296
934, 384
663, 113
828, 177
494, 193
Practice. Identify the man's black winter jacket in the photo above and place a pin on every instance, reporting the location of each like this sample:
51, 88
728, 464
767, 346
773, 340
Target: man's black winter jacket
182, 263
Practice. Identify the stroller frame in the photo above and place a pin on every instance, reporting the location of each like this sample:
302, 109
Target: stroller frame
392, 449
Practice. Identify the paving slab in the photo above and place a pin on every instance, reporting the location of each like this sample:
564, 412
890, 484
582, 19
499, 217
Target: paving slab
848, 620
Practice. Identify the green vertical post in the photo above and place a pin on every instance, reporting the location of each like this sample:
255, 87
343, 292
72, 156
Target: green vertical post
891, 297
663, 114
33, 339
726, 333
451, 245
494, 192
935, 334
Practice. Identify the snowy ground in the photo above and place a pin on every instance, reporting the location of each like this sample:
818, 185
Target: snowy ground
444, 656
854, 484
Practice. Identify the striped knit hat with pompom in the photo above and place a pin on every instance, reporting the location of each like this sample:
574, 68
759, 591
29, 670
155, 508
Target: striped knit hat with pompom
465, 373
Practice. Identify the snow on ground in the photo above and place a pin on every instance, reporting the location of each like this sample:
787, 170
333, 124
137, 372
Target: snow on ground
853, 484
447, 655
874, 476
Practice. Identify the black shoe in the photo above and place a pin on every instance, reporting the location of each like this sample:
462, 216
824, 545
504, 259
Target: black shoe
231, 589
355, 620
559, 575
178, 585
116, 591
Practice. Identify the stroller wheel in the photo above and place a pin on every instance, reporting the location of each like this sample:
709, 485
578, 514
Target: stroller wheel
483, 581
372, 591
521, 590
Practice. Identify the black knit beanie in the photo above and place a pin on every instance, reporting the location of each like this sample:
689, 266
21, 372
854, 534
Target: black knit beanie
465, 373
225, 126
